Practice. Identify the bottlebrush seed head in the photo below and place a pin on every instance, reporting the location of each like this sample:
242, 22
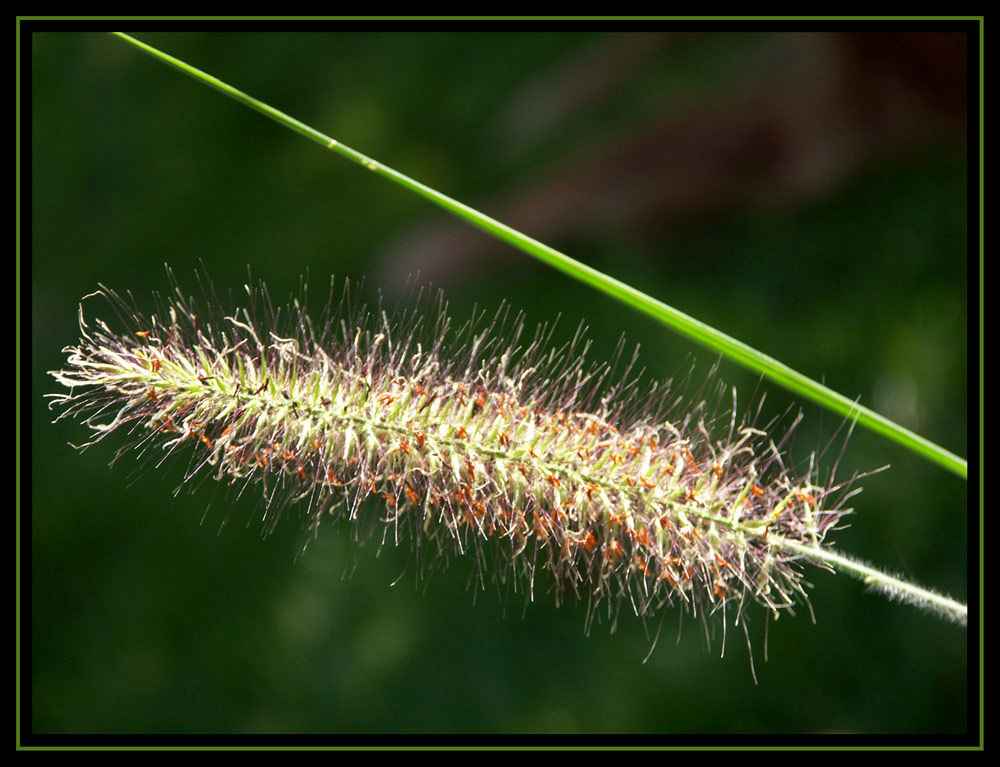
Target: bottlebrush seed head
476, 442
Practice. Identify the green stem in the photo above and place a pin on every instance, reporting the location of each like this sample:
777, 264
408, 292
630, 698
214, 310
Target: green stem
888, 585
683, 323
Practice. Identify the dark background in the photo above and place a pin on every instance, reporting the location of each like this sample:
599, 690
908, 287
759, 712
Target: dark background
806, 193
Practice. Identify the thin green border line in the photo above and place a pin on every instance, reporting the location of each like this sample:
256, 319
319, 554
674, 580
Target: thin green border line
704, 334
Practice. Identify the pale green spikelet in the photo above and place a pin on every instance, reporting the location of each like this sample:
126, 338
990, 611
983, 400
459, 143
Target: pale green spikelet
476, 441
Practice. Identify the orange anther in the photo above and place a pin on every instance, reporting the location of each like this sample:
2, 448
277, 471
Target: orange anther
403, 447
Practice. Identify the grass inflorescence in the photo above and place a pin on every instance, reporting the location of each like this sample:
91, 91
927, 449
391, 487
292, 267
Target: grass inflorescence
479, 441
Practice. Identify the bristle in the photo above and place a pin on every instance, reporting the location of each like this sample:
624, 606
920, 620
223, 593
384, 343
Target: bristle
476, 441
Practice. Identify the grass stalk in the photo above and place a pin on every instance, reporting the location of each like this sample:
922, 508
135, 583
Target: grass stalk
473, 447
717, 341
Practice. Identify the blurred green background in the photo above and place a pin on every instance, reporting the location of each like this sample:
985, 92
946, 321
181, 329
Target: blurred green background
804, 193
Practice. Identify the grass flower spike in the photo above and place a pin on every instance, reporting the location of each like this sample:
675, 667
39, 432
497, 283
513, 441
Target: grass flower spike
477, 441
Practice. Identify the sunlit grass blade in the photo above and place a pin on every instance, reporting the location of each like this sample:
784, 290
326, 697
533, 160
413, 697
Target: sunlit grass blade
708, 336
